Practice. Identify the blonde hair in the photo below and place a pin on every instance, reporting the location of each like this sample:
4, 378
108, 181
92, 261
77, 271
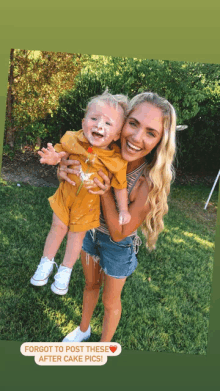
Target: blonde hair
159, 170
111, 100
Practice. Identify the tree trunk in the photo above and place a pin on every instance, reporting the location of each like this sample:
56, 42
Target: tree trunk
10, 129
38, 143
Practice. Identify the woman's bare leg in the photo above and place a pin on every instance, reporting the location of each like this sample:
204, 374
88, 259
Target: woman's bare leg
55, 237
112, 303
93, 280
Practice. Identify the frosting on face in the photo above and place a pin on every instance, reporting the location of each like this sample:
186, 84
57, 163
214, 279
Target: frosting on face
102, 124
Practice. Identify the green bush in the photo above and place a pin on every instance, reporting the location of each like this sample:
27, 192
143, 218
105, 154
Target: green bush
190, 87
198, 146
30, 134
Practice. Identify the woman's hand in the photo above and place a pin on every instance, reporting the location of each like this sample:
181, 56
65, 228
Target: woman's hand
104, 187
64, 170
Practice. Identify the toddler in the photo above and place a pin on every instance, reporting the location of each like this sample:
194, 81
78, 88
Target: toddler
75, 209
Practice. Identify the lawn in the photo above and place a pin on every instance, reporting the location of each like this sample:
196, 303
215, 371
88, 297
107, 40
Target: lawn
165, 302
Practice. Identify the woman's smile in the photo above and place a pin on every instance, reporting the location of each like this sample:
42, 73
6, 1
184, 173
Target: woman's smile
132, 147
141, 133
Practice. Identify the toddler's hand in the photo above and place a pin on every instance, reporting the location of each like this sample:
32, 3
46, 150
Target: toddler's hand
124, 217
50, 156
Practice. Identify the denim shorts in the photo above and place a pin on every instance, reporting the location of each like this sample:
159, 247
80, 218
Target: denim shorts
117, 259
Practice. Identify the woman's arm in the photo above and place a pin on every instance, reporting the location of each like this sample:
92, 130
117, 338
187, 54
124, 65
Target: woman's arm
137, 207
138, 210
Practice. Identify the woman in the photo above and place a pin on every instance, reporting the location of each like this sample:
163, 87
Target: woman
108, 255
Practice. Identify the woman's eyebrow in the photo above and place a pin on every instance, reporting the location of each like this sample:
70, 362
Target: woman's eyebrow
138, 123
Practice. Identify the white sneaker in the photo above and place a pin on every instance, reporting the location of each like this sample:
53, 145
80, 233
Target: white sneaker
62, 279
43, 272
77, 335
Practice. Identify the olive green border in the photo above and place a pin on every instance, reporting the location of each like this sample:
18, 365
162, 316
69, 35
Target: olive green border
165, 30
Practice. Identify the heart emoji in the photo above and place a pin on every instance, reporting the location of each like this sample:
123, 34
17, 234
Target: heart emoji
113, 348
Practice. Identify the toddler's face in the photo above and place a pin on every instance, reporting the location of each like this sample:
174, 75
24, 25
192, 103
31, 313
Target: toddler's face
102, 124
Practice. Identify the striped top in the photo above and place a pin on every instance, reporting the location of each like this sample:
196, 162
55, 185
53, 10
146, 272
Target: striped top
132, 178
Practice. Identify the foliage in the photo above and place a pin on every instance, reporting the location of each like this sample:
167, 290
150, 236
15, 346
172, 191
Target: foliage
54, 88
30, 134
35, 83
192, 88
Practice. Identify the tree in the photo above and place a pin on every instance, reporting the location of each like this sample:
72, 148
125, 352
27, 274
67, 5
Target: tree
36, 79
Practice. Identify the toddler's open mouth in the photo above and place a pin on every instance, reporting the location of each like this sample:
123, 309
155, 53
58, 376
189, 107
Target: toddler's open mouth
97, 134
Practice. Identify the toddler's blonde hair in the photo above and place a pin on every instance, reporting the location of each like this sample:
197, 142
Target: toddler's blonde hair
111, 100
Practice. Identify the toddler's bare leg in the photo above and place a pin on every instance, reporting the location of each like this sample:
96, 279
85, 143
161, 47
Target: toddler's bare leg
73, 248
55, 237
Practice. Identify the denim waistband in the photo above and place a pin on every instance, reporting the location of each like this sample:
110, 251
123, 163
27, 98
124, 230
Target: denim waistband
135, 238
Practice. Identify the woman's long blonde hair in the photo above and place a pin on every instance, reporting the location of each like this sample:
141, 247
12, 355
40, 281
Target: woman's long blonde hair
159, 170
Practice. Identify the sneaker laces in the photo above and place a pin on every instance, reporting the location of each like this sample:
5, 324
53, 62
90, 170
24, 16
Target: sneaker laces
55, 264
45, 263
79, 332
64, 273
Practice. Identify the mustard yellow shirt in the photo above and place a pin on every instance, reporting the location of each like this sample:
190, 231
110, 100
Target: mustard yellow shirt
80, 211
76, 144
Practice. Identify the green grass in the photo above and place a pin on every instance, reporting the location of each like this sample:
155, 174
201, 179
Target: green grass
165, 302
